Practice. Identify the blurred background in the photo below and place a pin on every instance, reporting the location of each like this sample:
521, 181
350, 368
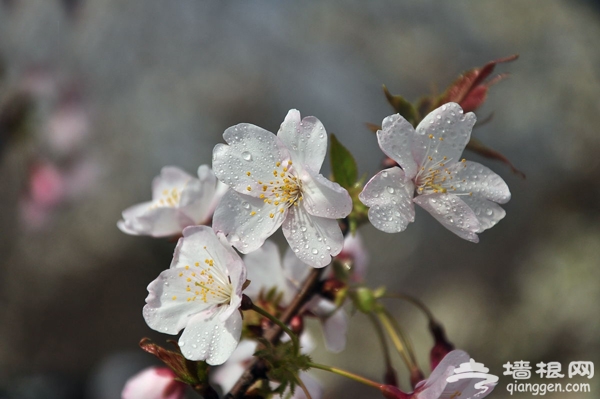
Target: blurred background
97, 96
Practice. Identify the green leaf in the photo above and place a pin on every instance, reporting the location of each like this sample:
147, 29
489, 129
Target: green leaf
402, 106
343, 164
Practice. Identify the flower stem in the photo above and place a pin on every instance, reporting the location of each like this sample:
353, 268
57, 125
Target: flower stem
346, 374
390, 327
304, 389
281, 324
413, 301
384, 346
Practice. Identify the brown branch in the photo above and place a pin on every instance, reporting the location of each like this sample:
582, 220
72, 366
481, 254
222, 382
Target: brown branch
256, 370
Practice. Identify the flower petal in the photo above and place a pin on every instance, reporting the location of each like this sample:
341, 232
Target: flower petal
170, 177
389, 196
313, 239
265, 271
334, 322
324, 198
488, 213
197, 196
167, 309
154, 383
294, 269
244, 230
227, 375
130, 223
251, 156
306, 140
157, 222
433, 387
444, 132
395, 140
211, 339
481, 181
453, 213
355, 250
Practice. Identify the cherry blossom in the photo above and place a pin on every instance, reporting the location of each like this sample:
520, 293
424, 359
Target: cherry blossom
456, 376
460, 194
200, 293
275, 181
227, 375
266, 270
154, 383
178, 200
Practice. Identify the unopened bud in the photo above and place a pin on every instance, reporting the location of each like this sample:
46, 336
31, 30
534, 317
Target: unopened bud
364, 300
297, 324
441, 346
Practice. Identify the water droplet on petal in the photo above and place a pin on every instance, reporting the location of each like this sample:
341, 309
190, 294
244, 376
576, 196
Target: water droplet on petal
247, 156
390, 189
315, 251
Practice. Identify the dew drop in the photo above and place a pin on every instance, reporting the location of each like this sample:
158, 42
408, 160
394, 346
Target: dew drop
390, 189
315, 251
247, 156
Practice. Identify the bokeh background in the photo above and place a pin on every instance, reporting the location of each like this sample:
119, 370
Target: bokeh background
113, 90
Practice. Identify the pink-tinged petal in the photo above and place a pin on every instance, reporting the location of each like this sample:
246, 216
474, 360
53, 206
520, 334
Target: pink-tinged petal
453, 213
444, 132
167, 309
488, 213
334, 322
396, 140
170, 178
246, 220
251, 156
197, 196
473, 177
434, 386
265, 271
354, 249
324, 198
313, 239
389, 196
153, 383
305, 139
211, 339
145, 219
227, 375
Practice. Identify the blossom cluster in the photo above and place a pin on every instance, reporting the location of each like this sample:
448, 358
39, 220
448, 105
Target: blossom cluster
260, 181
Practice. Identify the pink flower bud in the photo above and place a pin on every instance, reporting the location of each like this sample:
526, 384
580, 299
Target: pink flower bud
153, 383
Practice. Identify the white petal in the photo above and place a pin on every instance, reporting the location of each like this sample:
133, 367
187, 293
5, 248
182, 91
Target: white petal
395, 140
245, 231
452, 213
197, 196
324, 198
294, 269
211, 339
306, 140
313, 239
334, 322
227, 375
449, 124
265, 271
354, 249
130, 223
487, 212
479, 180
251, 150
170, 177
389, 196
167, 309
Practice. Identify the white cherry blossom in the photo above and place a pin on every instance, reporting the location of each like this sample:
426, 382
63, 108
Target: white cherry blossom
275, 181
266, 270
178, 200
200, 293
462, 195
154, 383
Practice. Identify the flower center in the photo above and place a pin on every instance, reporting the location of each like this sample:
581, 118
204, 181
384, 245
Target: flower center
206, 283
433, 177
283, 191
169, 199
